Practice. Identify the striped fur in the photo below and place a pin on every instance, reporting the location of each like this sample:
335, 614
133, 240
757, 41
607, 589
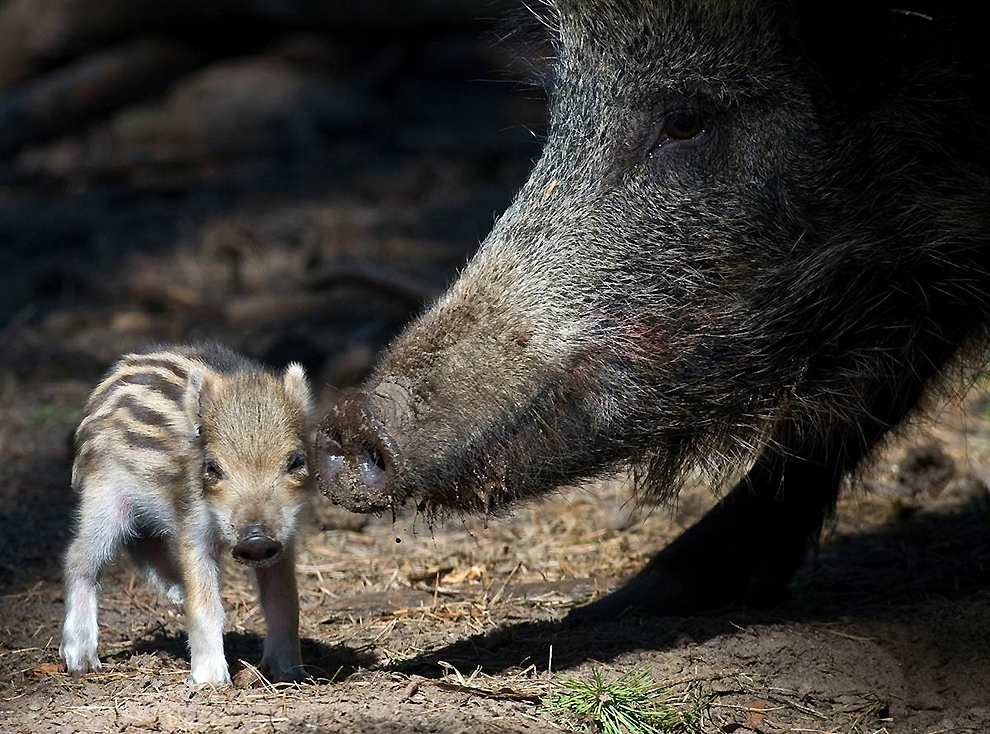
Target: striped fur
136, 415
182, 452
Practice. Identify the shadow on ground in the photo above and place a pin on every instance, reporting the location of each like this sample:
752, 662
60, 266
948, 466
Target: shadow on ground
894, 575
325, 663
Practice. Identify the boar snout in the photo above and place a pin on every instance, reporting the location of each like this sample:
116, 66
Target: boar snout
358, 458
257, 548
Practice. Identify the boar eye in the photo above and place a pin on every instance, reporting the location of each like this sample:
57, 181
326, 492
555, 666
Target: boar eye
296, 463
212, 470
677, 127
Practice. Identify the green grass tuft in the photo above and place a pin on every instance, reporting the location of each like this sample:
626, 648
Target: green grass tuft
632, 703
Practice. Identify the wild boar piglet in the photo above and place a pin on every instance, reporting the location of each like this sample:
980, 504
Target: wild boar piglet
184, 453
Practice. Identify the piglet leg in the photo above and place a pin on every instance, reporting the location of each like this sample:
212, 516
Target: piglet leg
204, 609
103, 524
282, 659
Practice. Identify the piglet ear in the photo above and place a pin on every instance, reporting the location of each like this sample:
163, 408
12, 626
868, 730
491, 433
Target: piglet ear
197, 397
297, 387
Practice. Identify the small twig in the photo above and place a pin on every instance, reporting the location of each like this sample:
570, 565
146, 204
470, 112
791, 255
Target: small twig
498, 594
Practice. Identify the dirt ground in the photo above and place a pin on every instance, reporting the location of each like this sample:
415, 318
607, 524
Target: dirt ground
307, 230
457, 630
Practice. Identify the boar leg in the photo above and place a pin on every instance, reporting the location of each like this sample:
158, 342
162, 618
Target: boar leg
744, 550
747, 548
204, 609
105, 520
282, 659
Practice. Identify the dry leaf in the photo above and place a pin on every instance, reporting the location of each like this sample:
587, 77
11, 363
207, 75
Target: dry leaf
756, 713
467, 574
247, 678
429, 574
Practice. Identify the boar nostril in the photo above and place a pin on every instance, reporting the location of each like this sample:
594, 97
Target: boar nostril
357, 458
377, 459
331, 453
373, 467
330, 466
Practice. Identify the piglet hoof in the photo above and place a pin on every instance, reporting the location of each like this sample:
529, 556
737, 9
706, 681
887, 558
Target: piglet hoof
283, 672
212, 673
93, 667
78, 663
192, 682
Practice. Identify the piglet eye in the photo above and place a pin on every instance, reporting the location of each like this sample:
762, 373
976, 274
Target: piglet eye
296, 463
212, 470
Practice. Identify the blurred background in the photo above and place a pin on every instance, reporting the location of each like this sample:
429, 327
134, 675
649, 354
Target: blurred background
293, 177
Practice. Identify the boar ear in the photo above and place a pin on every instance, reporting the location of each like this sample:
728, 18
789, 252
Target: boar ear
297, 387
198, 393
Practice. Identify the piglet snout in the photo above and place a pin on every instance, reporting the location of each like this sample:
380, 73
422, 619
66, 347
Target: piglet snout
257, 548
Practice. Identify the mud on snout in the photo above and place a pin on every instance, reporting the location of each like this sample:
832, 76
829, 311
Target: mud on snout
358, 464
375, 451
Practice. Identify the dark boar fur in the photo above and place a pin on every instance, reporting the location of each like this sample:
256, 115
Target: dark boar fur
757, 233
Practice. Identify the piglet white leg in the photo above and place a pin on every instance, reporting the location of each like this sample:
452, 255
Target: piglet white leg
102, 526
282, 659
80, 633
204, 610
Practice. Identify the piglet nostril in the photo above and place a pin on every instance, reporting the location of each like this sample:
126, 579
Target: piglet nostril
256, 547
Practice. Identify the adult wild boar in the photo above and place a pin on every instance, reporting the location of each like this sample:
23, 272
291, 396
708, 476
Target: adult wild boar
758, 231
